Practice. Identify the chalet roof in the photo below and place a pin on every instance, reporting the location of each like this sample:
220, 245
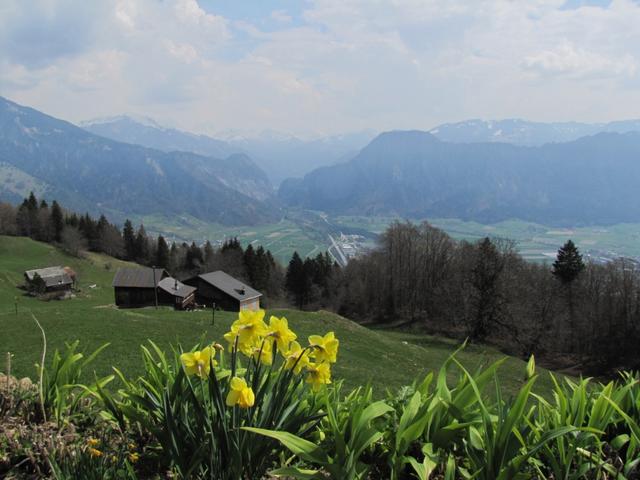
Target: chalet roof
138, 277
229, 285
52, 276
175, 288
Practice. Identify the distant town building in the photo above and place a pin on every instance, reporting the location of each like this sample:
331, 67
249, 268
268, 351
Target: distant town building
136, 287
50, 279
225, 291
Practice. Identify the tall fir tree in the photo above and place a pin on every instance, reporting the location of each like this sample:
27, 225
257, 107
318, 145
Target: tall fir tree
57, 221
32, 202
194, 258
262, 270
295, 280
142, 246
129, 238
162, 253
250, 263
568, 264
209, 253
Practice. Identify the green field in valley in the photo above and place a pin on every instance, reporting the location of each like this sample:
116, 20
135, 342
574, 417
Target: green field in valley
386, 359
534, 241
307, 233
282, 238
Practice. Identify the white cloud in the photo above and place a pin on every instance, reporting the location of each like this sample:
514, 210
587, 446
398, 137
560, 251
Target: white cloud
566, 59
338, 65
281, 16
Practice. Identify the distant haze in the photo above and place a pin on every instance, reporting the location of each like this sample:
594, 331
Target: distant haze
322, 67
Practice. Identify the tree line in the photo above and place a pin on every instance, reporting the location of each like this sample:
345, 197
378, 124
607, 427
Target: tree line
75, 233
572, 311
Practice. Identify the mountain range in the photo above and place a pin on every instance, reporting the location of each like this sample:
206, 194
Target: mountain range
88, 172
523, 132
474, 170
280, 156
592, 180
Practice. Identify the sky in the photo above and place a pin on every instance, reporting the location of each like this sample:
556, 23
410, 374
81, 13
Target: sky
322, 67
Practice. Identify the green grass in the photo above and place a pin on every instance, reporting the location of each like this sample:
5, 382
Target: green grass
386, 359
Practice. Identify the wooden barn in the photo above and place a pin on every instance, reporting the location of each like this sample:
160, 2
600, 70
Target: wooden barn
136, 287
175, 293
50, 279
225, 291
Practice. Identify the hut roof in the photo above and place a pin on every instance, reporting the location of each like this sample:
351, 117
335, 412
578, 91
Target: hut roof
175, 288
229, 285
138, 277
51, 276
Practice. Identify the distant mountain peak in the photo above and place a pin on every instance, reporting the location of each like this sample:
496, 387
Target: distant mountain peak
131, 118
524, 132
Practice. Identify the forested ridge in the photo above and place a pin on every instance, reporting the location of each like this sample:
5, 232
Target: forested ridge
574, 312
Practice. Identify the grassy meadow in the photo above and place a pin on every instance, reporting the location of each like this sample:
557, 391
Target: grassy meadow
386, 359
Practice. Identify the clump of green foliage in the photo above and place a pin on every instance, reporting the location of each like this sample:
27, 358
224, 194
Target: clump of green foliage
248, 413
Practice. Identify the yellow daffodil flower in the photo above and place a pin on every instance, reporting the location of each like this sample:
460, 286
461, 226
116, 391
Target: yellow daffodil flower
318, 374
325, 349
92, 442
296, 358
240, 394
279, 331
230, 336
198, 362
134, 457
94, 452
263, 352
248, 329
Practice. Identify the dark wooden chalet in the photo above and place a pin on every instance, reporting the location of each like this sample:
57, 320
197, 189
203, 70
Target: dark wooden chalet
50, 279
175, 293
227, 292
136, 287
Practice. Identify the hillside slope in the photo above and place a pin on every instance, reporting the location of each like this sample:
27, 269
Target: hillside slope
592, 180
88, 172
365, 355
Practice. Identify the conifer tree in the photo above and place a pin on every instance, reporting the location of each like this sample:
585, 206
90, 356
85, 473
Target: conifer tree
129, 240
209, 253
162, 253
174, 260
568, 264
262, 270
57, 221
295, 280
141, 246
250, 264
32, 202
194, 258
566, 268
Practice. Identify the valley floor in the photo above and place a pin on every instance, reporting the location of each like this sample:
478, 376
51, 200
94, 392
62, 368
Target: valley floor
308, 233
